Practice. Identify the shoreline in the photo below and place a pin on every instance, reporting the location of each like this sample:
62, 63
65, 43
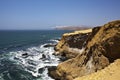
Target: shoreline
95, 55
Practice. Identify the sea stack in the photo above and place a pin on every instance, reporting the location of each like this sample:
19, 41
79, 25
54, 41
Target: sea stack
101, 48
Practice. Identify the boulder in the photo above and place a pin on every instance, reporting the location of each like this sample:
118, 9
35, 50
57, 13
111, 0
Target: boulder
49, 45
102, 48
25, 55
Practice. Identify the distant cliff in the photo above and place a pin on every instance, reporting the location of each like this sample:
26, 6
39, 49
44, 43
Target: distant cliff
71, 27
100, 47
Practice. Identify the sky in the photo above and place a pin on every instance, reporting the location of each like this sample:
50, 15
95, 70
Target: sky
46, 14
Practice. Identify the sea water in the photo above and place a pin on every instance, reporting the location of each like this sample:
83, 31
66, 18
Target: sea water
23, 55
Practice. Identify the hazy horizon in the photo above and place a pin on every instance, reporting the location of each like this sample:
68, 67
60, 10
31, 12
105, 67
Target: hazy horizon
46, 14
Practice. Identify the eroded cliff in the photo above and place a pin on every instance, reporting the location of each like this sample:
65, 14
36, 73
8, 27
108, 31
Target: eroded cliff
71, 44
102, 48
109, 73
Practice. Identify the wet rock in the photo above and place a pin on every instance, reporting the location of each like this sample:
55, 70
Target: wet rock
41, 70
51, 71
43, 56
62, 58
16, 58
57, 39
49, 45
25, 55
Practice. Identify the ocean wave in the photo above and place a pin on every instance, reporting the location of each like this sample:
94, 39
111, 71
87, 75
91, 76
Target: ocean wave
36, 60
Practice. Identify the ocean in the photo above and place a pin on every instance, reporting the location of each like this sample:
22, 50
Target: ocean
27, 54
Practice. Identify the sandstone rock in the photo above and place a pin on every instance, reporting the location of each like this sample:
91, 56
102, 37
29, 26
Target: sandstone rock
109, 73
102, 48
71, 43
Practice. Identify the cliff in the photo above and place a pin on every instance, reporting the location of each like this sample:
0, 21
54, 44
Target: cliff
72, 27
109, 73
71, 44
101, 49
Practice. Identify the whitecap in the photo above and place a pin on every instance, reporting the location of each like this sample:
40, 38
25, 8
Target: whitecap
33, 60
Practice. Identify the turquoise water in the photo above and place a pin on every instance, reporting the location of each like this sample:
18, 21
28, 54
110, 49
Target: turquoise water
21, 54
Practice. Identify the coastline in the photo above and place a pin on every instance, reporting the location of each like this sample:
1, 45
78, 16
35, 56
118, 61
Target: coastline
27, 54
87, 52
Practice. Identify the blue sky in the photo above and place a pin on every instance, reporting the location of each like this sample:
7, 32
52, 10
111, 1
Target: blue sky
46, 14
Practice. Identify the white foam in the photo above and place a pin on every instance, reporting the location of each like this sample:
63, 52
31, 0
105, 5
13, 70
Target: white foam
46, 77
34, 60
55, 40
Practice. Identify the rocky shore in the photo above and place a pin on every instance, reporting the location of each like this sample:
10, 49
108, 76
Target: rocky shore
88, 52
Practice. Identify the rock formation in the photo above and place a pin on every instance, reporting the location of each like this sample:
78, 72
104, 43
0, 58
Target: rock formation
112, 72
102, 48
71, 43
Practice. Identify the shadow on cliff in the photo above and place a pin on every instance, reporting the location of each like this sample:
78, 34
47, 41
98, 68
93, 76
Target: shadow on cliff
101, 47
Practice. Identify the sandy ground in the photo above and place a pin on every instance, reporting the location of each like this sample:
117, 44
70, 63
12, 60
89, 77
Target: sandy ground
78, 32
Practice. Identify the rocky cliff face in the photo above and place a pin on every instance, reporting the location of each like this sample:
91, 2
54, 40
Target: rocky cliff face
71, 44
109, 73
102, 48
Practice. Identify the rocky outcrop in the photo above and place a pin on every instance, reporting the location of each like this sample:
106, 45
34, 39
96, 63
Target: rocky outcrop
102, 48
71, 43
109, 73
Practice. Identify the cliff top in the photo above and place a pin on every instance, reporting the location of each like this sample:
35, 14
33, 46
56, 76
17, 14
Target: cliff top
100, 59
78, 32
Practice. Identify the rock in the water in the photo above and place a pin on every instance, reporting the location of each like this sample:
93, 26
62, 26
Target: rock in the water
25, 55
49, 45
41, 70
51, 70
43, 56
102, 48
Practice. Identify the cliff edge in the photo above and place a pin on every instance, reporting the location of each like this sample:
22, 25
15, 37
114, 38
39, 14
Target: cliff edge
71, 44
102, 47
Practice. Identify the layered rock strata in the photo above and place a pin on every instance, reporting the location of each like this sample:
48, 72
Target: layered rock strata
101, 49
71, 44
109, 73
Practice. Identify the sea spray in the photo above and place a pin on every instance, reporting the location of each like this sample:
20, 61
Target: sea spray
23, 55
35, 60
